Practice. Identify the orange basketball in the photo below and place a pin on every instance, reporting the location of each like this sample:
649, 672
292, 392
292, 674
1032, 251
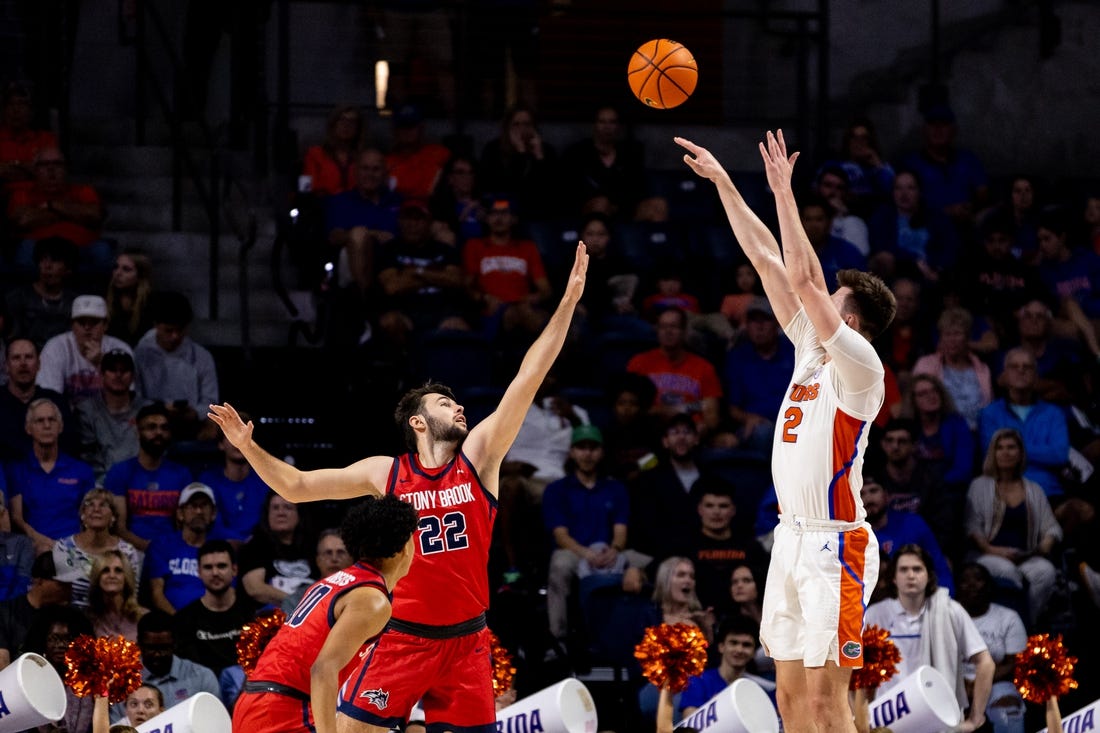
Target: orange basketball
662, 73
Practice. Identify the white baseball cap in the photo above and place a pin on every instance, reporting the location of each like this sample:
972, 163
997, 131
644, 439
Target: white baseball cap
192, 489
89, 306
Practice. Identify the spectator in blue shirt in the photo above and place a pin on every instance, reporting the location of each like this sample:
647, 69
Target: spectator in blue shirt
954, 179
239, 493
895, 529
46, 487
173, 561
16, 555
737, 639
1042, 425
1071, 276
147, 486
586, 514
363, 218
944, 439
757, 373
834, 253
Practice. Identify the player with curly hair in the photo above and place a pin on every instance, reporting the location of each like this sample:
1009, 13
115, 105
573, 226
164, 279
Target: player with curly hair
296, 680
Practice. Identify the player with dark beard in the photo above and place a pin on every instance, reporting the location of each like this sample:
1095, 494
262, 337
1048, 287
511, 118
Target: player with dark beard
436, 647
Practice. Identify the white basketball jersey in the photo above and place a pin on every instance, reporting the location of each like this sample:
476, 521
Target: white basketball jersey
821, 432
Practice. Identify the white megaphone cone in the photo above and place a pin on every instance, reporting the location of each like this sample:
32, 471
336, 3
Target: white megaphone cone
31, 693
923, 702
743, 707
200, 713
564, 707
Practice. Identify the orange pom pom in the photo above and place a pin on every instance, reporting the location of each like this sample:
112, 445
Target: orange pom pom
109, 666
880, 660
670, 654
503, 671
1044, 669
255, 637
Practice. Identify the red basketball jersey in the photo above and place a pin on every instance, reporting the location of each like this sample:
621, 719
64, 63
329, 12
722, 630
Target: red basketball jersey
448, 582
288, 657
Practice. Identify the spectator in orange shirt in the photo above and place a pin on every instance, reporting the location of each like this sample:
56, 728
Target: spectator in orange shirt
331, 166
414, 165
506, 275
53, 207
18, 142
685, 382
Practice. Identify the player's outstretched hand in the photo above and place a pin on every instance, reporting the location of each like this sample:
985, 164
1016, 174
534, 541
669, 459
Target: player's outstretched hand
777, 164
574, 286
703, 163
234, 429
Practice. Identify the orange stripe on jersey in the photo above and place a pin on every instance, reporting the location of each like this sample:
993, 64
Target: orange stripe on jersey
853, 548
846, 433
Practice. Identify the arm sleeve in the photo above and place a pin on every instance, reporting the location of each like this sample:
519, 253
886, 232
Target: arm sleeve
1048, 524
155, 565
52, 362
801, 333
857, 363
553, 514
970, 639
693, 696
1048, 446
534, 261
1015, 634
208, 682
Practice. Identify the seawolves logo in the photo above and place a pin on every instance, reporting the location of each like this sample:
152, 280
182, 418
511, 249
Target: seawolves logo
378, 697
851, 649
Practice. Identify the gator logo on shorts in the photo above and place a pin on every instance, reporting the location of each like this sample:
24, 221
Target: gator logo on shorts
851, 649
378, 697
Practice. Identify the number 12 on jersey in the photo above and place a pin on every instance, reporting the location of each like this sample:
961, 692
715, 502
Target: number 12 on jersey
443, 534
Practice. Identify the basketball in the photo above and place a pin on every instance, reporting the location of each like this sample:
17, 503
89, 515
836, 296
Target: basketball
662, 73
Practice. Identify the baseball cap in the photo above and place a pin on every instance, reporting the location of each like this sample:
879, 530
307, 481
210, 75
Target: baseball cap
89, 306
65, 568
760, 305
499, 203
193, 489
116, 358
586, 433
408, 115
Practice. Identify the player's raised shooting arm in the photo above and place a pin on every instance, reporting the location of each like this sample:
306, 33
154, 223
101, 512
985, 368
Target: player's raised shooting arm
367, 476
803, 268
755, 239
362, 613
490, 440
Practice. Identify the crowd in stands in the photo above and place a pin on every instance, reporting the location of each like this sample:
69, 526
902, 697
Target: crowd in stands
641, 470
638, 489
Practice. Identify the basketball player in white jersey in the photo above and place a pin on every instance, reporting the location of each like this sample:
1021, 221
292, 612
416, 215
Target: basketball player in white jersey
825, 557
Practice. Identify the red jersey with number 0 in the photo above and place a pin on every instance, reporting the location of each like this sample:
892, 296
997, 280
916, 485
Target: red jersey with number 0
448, 582
291, 653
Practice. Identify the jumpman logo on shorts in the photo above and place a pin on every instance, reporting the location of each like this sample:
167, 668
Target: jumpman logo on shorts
825, 548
